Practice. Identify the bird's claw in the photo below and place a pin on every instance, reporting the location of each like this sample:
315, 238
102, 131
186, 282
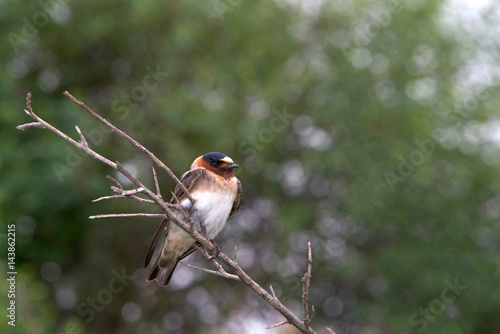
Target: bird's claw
215, 250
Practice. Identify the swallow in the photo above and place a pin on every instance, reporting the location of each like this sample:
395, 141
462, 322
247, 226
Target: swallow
217, 194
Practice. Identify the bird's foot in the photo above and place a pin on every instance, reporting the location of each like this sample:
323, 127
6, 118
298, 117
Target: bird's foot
215, 250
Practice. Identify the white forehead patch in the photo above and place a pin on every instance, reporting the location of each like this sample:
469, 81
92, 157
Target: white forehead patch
227, 159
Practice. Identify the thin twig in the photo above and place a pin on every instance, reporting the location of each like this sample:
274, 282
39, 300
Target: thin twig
136, 198
180, 207
132, 191
46, 125
30, 125
235, 255
306, 282
330, 330
121, 215
132, 141
213, 272
272, 291
82, 138
278, 324
157, 185
118, 184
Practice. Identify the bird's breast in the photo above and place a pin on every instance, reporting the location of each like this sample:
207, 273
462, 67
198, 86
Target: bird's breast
212, 208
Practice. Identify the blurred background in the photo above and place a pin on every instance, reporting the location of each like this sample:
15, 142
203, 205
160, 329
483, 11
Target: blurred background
369, 128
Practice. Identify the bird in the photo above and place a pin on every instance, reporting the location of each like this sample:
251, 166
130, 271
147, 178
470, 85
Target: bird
217, 195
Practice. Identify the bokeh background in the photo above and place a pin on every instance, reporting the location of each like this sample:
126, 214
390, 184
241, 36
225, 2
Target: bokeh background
369, 128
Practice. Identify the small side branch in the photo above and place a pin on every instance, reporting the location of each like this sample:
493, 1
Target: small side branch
306, 282
221, 272
157, 185
122, 215
82, 138
278, 324
40, 123
30, 125
132, 141
272, 291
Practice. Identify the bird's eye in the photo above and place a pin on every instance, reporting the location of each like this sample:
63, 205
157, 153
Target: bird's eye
215, 164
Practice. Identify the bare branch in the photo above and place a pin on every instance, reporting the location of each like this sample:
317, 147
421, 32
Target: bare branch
213, 272
44, 124
30, 125
157, 185
235, 255
133, 191
118, 184
278, 324
122, 215
180, 207
125, 193
330, 330
218, 265
306, 282
132, 141
185, 224
82, 138
136, 198
272, 291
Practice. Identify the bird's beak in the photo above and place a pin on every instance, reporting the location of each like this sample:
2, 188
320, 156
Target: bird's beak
231, 166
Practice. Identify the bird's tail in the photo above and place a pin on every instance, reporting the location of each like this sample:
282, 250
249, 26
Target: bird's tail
162, 275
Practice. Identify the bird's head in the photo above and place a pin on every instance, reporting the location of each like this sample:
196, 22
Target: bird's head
216, 162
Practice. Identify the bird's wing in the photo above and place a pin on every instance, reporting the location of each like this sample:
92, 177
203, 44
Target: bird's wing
189, 181
152, 245
237, 201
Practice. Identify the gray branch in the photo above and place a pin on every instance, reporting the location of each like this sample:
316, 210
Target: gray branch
156, 198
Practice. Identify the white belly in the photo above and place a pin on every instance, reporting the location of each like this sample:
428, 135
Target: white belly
211, 210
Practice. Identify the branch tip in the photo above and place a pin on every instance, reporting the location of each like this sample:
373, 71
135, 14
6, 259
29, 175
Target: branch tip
82, 138
278, 324
272, 291
329, 330
123, 215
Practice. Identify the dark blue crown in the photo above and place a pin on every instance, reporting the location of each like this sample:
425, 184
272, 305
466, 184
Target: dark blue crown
213, 156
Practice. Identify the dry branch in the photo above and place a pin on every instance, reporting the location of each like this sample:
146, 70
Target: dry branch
219, 272
156, 198
306, 282
125, 215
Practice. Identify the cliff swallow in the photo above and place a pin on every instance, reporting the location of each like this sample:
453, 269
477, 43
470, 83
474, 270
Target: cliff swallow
217, 194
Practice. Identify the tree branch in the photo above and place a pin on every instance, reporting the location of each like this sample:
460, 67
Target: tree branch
132, 141
306, 282
42, 124
219, 272
123, 215
186, 224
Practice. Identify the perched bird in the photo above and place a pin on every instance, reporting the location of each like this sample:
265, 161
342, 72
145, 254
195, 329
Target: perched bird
217, 194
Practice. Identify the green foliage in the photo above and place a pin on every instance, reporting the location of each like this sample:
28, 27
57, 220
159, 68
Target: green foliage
359, 125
